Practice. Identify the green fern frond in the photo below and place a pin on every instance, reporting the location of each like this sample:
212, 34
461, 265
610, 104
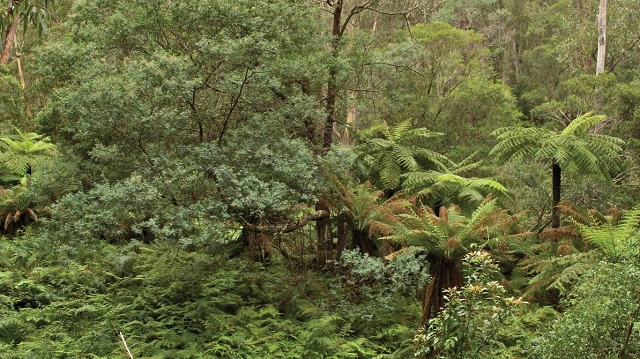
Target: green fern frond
616, 241
560, 272
583, 123
386, 153
25, 150
400, 129
570, 276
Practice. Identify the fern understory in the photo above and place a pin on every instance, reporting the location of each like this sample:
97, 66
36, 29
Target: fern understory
64, 301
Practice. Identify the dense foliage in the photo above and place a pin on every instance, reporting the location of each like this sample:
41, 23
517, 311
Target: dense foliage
319, 179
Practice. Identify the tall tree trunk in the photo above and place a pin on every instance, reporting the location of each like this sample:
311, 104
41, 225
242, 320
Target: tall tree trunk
556, 181
363, 242
602, 36
10, 33
323, 227
445, 274
332, 82
256, 243
352, 116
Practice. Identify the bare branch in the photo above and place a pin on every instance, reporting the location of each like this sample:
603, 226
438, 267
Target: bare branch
288, 227
125, 344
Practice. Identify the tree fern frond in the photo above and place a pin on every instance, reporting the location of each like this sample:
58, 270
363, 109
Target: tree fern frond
405, 158
470, 196
488, 184
560, 272
390, 173
392, 151
421, 133
400, 130
575, 212
466, 164
583, 123
415, 181
570, 275
380, 143
556, 234
616, 241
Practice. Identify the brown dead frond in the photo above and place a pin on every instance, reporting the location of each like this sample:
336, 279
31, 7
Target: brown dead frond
616, 215
556, 234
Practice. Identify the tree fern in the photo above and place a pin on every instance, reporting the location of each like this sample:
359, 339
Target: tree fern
22, 152
446, 237
574, 149
443, 188
388, 152
560, 273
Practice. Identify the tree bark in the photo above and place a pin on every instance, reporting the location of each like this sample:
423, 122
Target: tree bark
556, 181
364, 243
288, 227
10, 33
602, 36
323, 231
332, 82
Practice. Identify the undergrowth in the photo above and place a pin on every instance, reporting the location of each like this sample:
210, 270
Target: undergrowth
70, 301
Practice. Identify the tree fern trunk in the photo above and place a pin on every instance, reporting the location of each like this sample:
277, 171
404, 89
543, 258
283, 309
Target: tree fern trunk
557, 177
445, 274
363, 242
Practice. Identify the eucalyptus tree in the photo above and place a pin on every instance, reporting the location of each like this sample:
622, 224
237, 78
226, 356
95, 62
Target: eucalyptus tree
441, 78
574, 149
19, 12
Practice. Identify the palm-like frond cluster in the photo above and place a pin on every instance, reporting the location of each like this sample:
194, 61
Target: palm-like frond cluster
446, 237
570, 252
616, 241
15, 210
443, 188
574, 149
388, 152
22, 152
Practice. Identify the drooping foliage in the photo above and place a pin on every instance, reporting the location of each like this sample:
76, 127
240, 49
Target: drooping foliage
575, 149
389, 152
446, 237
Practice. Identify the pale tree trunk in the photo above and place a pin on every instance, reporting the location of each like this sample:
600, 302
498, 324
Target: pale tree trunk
602, 36
332, 82
20, 73
352, 116
10, 33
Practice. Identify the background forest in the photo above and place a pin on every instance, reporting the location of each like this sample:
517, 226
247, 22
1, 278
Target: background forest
320, 179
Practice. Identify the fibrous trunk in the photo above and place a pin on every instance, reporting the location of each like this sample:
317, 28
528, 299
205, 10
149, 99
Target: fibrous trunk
557, 177
363, 242
257, 244
325, 239
445, 274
